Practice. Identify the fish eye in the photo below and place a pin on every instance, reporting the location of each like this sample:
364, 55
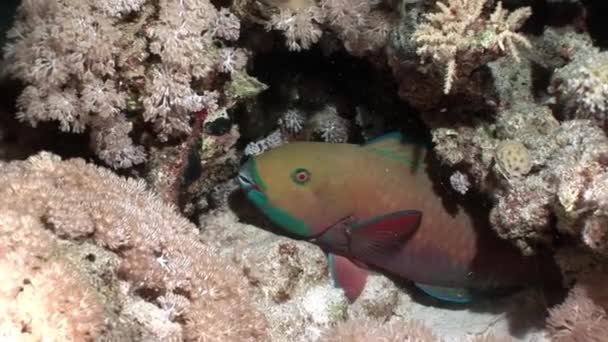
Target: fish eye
300, 176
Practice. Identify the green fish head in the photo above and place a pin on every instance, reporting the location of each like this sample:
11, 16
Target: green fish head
297, 186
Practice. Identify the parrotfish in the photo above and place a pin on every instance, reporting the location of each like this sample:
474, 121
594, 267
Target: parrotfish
376, 206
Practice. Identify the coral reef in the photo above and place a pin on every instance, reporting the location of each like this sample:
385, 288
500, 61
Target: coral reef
512, 96
110, 68
535, 167
52, 207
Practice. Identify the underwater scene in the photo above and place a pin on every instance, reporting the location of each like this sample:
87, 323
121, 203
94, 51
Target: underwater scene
303, 170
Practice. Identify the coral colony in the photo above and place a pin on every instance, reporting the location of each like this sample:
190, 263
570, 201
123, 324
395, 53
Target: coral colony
124, 124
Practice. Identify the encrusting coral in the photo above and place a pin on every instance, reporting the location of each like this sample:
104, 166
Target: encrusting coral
581, 86
551, 170
49, 205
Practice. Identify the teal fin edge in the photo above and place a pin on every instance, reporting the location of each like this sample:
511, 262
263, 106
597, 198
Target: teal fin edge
463, 296
394, 135
332, 271
390, 135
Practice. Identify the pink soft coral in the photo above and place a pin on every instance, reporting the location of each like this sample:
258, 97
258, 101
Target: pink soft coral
583, 316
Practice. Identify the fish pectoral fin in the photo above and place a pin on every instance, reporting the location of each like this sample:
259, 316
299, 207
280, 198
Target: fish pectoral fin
383, 234
447, 294
348, 275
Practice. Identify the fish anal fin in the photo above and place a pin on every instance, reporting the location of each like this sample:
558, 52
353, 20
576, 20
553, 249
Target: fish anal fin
384, 234
447, 294
348, 275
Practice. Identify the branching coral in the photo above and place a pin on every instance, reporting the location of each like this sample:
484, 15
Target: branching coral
88, 66
458, 36
159, 252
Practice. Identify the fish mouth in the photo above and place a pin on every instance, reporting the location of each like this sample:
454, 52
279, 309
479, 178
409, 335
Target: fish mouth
246, 178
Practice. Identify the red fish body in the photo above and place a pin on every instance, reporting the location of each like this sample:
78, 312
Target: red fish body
376, 205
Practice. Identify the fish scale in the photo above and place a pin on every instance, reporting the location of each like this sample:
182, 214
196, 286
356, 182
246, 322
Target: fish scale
438, 222
375, 205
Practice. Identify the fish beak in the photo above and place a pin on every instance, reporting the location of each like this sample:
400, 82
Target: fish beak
246, 177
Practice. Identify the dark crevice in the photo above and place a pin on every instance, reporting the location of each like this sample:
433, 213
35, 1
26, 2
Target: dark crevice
596, 21
309, 80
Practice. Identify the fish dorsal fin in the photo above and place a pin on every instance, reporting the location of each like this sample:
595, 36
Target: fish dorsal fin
394, 146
